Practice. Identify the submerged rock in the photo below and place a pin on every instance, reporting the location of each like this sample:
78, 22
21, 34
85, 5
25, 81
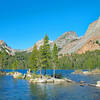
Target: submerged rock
92, 72
2, 73
77, 72
18, 75
87, 73
10, 73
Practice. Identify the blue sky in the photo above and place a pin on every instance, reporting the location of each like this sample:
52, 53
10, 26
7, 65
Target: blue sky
24, 22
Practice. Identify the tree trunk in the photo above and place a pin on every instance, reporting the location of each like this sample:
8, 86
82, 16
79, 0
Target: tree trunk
54, 71
40, 73
45, 71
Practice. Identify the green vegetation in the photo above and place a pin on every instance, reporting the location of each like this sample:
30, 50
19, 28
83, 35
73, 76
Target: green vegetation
89, 60
34, 59
46, 54
97, 42
18, 61
15, 64
45, 58
55, 58
41, 59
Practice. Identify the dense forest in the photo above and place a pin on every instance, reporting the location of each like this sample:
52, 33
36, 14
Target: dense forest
88, 60
47, 59
43, 58
18, 61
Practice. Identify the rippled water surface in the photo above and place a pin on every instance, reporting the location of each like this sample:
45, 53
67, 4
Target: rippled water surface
14, 89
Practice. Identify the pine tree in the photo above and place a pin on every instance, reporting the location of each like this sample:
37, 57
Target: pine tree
3, 59
15, 65
89, 63
40, 59
34, 59
55, 58
46, 53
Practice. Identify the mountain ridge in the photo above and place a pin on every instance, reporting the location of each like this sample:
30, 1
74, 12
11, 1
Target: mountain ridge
68, 42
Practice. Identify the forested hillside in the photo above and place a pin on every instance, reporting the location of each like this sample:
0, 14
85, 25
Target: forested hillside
17, 61
88, 60
74, 52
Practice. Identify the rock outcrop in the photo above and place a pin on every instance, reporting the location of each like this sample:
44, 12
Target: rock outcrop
65, 39
4, 46
39, 43
86, 43
2, 73
98, 84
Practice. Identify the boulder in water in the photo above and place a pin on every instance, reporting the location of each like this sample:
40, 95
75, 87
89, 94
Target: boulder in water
2, 73
18, 75
98, 84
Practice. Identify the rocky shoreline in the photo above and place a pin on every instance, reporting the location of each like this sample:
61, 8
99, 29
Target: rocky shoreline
36, 79
2, 73
33, 78
92, 72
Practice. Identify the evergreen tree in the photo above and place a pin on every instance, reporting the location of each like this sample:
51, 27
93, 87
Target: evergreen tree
46, 53
3, 59
34, 59
40, 61
55, 58
15, 65
89, 63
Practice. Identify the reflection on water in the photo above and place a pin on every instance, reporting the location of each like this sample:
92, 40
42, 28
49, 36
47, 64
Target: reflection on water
60, 92
14, 89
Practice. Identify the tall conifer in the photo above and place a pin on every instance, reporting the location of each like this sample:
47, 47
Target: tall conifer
34, 59
45, 53
55, 58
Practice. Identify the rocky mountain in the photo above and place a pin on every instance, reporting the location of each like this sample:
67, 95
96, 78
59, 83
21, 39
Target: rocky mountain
4, 46
65, 39
10, 51
39, 43
69, 42
89, 42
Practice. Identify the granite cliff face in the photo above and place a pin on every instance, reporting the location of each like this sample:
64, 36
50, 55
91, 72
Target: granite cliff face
39, 43
65, 39
86, 43
93, 35
4, 46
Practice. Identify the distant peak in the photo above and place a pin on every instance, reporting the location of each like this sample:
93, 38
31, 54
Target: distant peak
71, 33
68, 35
1, 42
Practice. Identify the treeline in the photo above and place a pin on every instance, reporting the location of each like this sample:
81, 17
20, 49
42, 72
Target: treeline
45, 58
18, 61
42, 58
88, 60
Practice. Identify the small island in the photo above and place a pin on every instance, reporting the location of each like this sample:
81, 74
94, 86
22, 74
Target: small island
42, 58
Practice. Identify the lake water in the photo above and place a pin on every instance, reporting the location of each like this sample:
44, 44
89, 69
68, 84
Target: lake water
17, 89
